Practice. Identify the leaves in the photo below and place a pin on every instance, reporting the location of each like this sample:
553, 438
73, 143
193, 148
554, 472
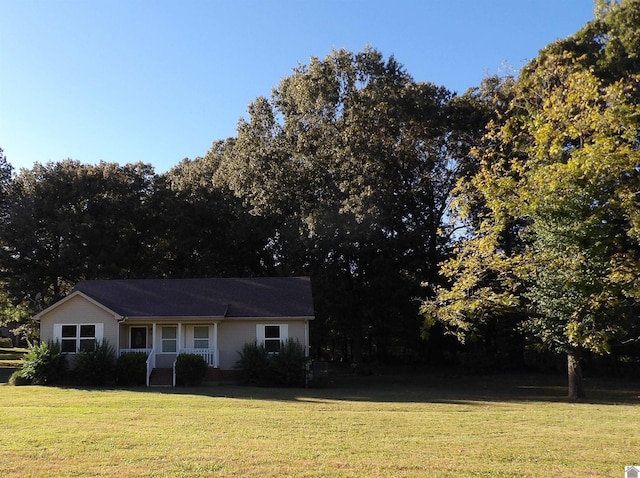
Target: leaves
555, 201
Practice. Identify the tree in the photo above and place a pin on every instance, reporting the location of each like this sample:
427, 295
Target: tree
558, 232
67, 221
353, 161
202, 229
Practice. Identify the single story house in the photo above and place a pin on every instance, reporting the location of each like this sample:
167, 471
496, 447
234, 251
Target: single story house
213, 318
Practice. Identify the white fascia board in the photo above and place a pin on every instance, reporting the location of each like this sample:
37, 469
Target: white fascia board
39, 315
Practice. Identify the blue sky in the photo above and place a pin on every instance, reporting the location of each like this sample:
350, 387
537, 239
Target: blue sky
158, 81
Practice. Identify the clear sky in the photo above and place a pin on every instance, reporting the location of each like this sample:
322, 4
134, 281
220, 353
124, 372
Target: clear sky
158, 81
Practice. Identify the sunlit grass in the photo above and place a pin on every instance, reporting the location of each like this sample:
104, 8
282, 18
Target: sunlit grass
495, 426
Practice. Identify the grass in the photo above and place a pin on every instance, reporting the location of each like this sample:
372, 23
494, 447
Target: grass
392, 426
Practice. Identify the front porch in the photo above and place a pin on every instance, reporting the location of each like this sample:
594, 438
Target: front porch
163, 342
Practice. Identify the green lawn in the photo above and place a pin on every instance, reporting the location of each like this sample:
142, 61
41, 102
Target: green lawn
395, 426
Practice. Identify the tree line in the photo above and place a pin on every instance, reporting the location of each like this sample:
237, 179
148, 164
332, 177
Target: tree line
506, 216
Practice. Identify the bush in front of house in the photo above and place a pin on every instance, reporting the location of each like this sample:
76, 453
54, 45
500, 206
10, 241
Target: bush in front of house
131, 368
289, 364
254, 365
44, 364
287, 368
17, 379
190, 369
95, 365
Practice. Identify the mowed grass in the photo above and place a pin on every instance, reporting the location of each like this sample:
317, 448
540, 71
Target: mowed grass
380, 426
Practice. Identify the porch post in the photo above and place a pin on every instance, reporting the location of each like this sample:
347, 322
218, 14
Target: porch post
215, 345
306, 337
153, 337
179, 347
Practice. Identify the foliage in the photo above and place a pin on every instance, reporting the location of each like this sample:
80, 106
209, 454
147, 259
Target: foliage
67, 221
191, 369
287, 368
254, 364
289, 364
353, 161
131, 368
44, 364
18, 379
557, 237
95, 365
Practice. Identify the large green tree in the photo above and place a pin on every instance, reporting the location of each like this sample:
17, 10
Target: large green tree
202, 229
68, 221
353, 161
557, 201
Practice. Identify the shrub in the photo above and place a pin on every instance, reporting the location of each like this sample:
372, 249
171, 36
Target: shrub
254, 364
44, 364
288, 364
190, 369
17, 378
287, 368
95, 365
131, 368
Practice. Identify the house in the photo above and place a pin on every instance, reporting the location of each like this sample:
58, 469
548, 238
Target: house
213, 318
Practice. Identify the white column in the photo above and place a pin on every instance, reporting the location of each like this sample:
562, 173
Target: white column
215, 345
306, 337
153, 337
179, 347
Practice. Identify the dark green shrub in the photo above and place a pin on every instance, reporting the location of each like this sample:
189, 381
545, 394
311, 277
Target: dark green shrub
44, 364
254, 364
95, 365
131, 368
287, 368
190, 369
18, 379
288, 365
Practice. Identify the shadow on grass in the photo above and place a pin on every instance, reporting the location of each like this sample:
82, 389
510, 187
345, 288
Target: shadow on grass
426, 388
412, 387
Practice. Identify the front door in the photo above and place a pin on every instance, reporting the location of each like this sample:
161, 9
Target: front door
138, 337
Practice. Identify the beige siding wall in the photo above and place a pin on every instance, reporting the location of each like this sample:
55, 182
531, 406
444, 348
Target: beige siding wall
79, 310
233, 334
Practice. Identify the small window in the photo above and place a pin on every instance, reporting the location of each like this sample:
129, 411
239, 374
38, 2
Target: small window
69, 338
87, 337
169, 339
271, 336
201, 337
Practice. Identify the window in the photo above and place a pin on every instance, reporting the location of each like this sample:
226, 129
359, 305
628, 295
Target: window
169, 339
271, 336
76, 337
138, 337
201, 337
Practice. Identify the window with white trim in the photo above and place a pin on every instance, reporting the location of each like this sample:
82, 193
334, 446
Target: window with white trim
201, 337
169, 339
76, 337
271, 336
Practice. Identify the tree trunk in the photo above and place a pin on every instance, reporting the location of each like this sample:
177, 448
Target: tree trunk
574, 370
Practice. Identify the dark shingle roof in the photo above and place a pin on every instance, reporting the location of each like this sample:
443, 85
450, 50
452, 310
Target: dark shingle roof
261, 297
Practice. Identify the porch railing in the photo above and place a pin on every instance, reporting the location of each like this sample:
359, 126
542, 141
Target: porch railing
145, 351
209, 355
151, 364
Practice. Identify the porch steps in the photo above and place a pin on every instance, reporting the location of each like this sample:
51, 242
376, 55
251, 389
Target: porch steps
161, 377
